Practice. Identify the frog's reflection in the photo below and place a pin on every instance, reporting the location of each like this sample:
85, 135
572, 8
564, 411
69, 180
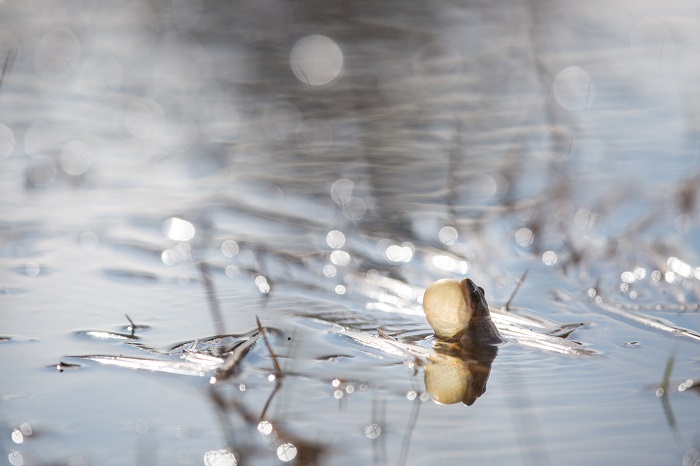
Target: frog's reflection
458, 372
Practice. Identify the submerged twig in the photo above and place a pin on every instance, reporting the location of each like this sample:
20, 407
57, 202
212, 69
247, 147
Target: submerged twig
131, 323
412, 421
653, 322
9, 61
515, 290
212, 296
230, 365
276, 367
663, 393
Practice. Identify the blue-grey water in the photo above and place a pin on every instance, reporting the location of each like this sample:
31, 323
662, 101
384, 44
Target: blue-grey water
195, 165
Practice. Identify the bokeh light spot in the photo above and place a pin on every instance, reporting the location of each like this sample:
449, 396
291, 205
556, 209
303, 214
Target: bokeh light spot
41, 171
524, 237
315, 137
335, 239
15, 458
144, 118
316, 60
57, 54
75, 158
281, 121
341, 191
340, 258
549, 258
373, 431
286, 452
178, 229
229, 248
574, 89
101, 75
448, 235
219, 458
17, 436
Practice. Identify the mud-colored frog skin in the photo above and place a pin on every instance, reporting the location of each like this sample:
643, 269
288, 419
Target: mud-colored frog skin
459, 311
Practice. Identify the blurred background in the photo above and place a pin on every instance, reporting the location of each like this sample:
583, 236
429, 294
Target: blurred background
331, 159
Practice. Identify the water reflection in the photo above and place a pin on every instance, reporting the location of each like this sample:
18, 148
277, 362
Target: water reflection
458, 372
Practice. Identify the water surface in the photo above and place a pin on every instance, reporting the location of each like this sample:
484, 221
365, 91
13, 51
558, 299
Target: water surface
197, 166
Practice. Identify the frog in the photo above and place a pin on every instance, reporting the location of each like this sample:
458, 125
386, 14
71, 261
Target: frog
458, 311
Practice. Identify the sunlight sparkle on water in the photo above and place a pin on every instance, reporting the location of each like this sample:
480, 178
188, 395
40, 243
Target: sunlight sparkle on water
89, 240
574, 89
144, 118
679, 267
549, 258
627, 277
219, 458
178, 229
524, 237
449, 264
57, 54
340, 258
15, 458
402, 253
315, 137
316, 60
286, 452
281, 121
335, 239
75, 158
341, 191
373, 431
448, 235
262, 284
229, 248
265, 428
17, 436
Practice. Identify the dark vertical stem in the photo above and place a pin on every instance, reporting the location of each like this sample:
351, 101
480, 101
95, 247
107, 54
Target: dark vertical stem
212, 297
412, 421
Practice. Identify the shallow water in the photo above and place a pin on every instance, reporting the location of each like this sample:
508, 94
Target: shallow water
140, 141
